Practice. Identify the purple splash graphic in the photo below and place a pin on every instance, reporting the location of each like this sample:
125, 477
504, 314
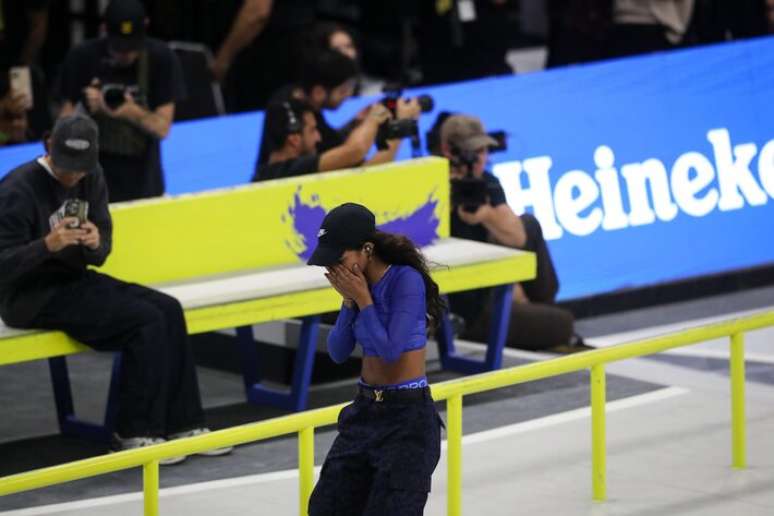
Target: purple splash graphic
421, 226
306, 223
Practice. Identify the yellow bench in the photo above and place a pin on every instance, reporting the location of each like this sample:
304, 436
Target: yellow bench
234, 258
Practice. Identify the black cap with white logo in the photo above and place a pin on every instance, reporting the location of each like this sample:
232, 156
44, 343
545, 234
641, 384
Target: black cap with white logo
348, 226
125, 21
75, 144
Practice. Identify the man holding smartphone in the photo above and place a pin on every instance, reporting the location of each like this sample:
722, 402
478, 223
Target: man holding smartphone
46, 283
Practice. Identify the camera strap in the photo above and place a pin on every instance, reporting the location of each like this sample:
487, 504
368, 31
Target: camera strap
142, 75
121, 137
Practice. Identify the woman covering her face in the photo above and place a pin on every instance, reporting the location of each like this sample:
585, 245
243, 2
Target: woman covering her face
389, 438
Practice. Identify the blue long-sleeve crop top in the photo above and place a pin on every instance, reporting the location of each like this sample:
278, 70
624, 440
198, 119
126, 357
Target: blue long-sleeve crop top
393, 324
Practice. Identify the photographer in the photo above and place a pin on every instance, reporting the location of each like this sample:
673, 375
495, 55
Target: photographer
328, 78
480, 212
55, 225
291, 129
129, 84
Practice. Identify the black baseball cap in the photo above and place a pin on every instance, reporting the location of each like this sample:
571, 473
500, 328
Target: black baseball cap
125, 21
75, 144
348, 226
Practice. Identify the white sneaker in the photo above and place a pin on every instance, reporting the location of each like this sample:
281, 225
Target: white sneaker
201, 431
131, 443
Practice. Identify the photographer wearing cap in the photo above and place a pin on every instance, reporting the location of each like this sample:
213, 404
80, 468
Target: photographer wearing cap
129, 84
291, 128
55, 224
480, 212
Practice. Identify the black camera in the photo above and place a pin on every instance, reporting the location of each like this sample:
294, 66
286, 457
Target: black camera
114, 95
395, 130
469, 192
398, 129
501, 137
464, 158
393, 92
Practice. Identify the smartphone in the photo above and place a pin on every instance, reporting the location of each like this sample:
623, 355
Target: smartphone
21, 82
78, 209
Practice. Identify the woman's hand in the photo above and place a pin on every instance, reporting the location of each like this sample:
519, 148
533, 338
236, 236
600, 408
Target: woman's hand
329, 275
350, 284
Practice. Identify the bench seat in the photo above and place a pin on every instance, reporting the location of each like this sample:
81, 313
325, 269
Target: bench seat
235, 258
285, 293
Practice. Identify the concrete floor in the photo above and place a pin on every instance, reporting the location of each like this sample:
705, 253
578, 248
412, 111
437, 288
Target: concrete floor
526, 448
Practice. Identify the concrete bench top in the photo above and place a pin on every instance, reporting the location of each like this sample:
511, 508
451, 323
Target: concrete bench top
447, 257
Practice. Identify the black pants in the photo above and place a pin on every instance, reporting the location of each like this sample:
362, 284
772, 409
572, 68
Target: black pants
159, 391
382, 460
538, 324
544, 287
532, 326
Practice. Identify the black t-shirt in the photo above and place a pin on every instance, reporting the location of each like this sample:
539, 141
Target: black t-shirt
293, 167
329, 136
469, 304
127, 177
29, 273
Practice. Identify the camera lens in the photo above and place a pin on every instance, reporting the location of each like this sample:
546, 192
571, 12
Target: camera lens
426, 103
114, 97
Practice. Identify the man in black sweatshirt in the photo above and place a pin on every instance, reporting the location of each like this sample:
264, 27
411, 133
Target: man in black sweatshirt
54, 223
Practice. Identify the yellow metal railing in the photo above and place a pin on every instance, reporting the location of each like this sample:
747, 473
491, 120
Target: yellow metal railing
304, 423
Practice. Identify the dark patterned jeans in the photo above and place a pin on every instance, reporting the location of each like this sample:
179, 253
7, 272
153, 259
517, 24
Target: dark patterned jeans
382, 461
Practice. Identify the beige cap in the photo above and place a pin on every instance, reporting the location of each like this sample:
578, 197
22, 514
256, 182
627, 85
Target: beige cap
465, 132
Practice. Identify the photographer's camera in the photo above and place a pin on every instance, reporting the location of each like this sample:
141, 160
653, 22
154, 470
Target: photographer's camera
114, 95
396, 129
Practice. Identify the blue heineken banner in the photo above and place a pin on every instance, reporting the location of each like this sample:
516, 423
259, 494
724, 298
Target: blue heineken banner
642, 170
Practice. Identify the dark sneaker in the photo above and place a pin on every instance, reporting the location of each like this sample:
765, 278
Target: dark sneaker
217, 452
130, 443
